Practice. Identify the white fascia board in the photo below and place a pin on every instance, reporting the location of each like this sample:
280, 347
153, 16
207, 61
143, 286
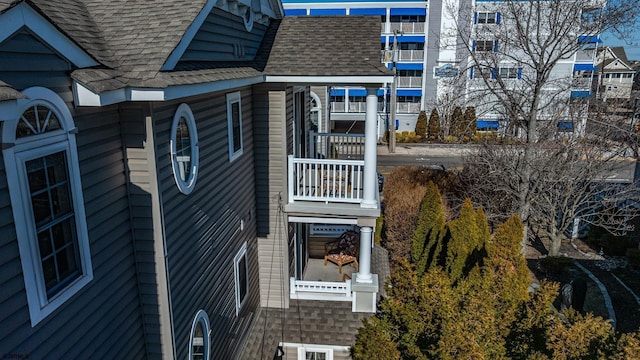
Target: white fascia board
188, 36
145, 94
85, 97
24, 15
182, 91
330, 79
321, 220
317, 346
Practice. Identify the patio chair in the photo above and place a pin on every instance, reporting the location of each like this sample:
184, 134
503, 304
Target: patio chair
344, 250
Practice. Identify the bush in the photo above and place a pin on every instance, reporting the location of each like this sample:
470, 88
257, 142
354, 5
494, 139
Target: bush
403, 191
421, 125
450, 139
434, 129
633, 258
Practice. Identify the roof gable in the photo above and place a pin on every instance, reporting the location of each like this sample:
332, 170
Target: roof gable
213, 18
24, 16
224, 37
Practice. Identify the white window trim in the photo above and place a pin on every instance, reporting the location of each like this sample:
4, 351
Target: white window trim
233, 98
201, 315
185, 186
302, 351
14, 158
236, 262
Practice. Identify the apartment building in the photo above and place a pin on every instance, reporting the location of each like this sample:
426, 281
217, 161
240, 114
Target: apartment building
441, 50
526, 57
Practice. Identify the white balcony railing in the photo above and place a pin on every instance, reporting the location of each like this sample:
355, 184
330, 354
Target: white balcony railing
407, 27
408, 108
325, 180
337, 106
585, 55
337, 146
320, 290
409, 81
410, 55
359, 107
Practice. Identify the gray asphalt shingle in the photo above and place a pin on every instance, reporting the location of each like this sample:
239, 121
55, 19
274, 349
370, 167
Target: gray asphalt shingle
133, 39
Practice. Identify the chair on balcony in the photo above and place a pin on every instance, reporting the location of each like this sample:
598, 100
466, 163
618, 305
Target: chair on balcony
344, 250
335, 183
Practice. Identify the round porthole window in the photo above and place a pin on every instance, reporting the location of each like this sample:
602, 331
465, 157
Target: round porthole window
199, 344
248, 18
184, 149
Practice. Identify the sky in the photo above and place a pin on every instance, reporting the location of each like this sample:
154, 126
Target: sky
631, 43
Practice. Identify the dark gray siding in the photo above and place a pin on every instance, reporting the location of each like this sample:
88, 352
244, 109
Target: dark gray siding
103, 318
25, 61
223, 37
203, 229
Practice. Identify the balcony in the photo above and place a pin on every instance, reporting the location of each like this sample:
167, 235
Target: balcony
359, 107
337, 146
338, 106
410, 55
581, 83
408, 108
407, 27
334, 183
585, 55
325, 282
409, 82
324, 180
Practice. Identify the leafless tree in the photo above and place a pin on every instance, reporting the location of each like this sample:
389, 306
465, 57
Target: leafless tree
548, 176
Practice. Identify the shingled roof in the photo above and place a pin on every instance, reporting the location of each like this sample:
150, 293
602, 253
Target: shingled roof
326, 46
133, 40
617, 53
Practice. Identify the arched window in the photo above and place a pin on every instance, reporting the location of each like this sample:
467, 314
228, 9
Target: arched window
184, 149
43, 176
316, 112
199, 344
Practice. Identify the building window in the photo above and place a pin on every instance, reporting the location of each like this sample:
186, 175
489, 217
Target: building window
184, 149
315, 353
247, 18
46, 194
240, 270
484, 17
411, 46
484, 45
200, 342
510, 73
234, 123
565, 126
407, 18
413, 73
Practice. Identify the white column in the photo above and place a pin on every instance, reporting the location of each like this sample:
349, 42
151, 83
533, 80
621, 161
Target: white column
370, 152
364, 266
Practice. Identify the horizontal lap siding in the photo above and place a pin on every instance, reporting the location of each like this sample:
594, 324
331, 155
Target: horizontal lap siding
104, 317
202, 229
220, 35
25, 61
271, 177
